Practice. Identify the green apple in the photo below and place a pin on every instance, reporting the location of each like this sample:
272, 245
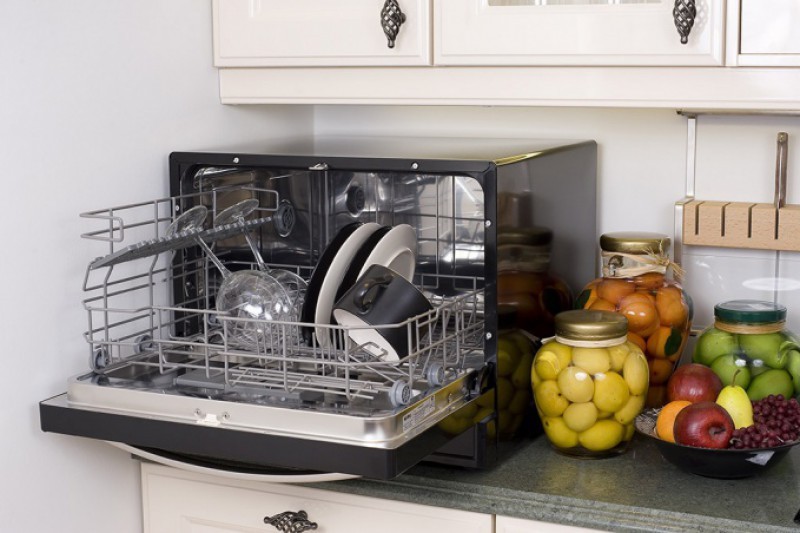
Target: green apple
764, 346
732, 370
773, 381
793, 366
712, 344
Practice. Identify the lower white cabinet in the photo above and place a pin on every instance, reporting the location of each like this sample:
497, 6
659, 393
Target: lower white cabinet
175, 501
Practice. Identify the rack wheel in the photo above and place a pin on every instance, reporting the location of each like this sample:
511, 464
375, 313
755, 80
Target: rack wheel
400, 393
99, 359
435, 374
144, 343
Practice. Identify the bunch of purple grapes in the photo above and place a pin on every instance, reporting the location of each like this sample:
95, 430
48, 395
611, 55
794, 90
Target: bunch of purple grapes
776, 421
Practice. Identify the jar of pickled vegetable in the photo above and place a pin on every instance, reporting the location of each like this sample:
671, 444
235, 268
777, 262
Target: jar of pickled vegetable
589, 384
515, 351
636, 284
525, 282
749, 345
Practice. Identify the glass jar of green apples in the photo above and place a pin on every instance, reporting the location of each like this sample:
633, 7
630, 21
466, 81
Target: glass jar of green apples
749, 345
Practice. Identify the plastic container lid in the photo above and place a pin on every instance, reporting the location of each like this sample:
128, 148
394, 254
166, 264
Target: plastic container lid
750, 312
589, 325
635, 242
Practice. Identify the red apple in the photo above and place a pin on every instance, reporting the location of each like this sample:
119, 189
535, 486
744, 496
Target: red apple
695, 383
704, 425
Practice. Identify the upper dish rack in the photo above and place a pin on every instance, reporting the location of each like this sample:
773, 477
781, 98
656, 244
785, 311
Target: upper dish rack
145, 328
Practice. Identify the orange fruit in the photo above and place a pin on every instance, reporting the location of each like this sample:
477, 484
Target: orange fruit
656, 395
665, 342
509, 282
648, 294
672, 310
677, 355
665, 423
637, 340
660, 370
615, 290
650, 280
602, 305
587, 297
641, 314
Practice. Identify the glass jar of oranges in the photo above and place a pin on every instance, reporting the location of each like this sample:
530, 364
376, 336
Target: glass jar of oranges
589, 384
635, 285
524, 281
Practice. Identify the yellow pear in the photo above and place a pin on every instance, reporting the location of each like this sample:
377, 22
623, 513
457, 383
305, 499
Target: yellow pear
734, 399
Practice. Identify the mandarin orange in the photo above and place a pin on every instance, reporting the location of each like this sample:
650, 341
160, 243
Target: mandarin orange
649, 280
614, 290
660, 370
665, 423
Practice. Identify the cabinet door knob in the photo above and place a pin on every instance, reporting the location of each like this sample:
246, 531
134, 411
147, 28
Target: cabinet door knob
684, 13
291, 522
391, 20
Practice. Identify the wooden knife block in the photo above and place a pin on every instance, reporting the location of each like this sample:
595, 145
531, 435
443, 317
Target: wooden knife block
741, 225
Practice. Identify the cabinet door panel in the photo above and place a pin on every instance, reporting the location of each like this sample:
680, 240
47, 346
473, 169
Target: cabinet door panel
176, 501
266, 33
770, 33
574, 32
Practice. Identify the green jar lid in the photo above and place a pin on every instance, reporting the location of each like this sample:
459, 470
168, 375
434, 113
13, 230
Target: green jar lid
635, 242
750, 312
589, 325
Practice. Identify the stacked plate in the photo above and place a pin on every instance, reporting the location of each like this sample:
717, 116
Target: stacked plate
352, 251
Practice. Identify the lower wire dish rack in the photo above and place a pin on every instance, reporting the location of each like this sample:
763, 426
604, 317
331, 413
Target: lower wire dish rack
176, 342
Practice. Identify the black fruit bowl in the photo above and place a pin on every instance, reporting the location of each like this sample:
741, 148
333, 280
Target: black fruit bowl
721, 464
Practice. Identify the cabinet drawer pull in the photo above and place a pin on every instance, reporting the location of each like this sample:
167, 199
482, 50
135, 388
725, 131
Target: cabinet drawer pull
684, 13
291, 522
391, 20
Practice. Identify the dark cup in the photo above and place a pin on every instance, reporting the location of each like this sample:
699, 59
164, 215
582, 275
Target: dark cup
382, 297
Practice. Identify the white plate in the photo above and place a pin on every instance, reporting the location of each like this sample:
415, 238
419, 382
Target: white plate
336, 272
397, 250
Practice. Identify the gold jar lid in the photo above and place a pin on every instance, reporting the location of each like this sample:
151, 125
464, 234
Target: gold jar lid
531, 236
635, 242
590, 325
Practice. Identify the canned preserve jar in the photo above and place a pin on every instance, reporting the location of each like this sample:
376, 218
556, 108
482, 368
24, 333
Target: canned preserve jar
635, 284
589, 384
749, 345
524, 280
515, 351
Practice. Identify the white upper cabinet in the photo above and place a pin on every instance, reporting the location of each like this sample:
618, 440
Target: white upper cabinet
576, 32
770, 33
271, 33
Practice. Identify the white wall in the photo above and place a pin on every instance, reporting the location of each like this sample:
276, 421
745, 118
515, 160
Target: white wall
641, 173
94, 94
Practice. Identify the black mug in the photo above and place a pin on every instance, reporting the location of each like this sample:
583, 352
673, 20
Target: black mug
382, 297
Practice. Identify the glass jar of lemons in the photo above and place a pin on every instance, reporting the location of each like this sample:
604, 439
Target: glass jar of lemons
589, 384
635, 284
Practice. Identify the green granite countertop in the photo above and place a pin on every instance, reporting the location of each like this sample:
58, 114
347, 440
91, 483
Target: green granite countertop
635, 491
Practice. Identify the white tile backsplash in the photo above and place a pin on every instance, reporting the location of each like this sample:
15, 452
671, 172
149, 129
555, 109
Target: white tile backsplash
714, 275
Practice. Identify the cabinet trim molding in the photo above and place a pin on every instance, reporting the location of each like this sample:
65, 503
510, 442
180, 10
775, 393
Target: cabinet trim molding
631, 87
